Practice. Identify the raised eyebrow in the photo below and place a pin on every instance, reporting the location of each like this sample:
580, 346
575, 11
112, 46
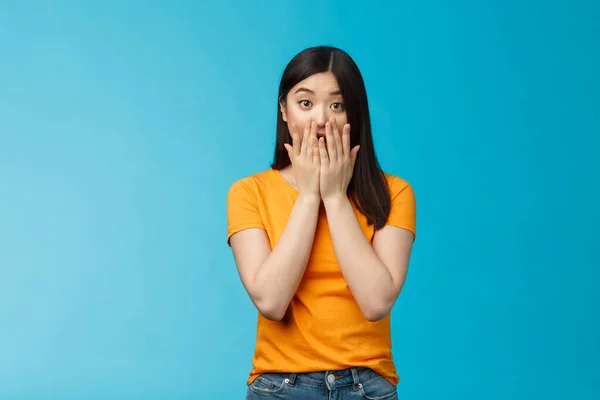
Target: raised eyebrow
302, 89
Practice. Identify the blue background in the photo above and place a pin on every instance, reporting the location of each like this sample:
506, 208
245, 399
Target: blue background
123, 124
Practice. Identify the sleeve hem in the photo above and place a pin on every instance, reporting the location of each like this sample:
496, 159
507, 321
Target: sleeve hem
240, 227
408, 227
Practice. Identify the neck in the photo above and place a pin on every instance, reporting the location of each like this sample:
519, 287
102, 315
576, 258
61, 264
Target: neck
288, 174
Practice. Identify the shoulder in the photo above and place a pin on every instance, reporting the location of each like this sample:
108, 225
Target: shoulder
403, 203
252, 184
397, 185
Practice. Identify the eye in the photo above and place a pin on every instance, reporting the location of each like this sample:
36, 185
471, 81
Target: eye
337, 106
305, 103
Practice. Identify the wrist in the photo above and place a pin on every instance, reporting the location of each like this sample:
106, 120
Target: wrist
309, 198
334, 200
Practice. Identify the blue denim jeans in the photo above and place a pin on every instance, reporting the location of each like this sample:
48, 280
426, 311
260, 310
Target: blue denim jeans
351, 383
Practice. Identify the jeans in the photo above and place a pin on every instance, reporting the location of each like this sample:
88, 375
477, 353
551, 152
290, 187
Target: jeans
351, 383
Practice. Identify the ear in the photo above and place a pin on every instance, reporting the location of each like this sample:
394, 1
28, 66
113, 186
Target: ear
282, 107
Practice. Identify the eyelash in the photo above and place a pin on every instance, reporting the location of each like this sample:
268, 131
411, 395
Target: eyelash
308, 101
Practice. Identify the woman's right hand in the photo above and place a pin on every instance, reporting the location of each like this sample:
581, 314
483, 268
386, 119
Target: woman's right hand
305, 158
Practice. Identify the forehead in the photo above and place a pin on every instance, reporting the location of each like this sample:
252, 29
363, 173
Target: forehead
323, 83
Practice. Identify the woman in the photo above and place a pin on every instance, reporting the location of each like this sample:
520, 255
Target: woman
322, 241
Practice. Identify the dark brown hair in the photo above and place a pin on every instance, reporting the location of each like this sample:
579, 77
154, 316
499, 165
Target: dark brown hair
368, 188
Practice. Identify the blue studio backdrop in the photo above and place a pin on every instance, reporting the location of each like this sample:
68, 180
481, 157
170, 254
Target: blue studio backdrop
123, 124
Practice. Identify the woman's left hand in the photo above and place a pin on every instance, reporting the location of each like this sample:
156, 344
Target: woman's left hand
337, 161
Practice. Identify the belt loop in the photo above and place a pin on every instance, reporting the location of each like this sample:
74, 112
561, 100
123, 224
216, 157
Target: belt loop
355, 379
291, 380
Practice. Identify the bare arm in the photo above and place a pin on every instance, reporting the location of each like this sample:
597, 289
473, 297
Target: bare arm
375, 274
272, 277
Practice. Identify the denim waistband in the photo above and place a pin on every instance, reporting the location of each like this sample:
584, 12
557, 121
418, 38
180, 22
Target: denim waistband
333, 378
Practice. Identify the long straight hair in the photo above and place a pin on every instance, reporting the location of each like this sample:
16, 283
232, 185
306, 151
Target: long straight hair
368, 188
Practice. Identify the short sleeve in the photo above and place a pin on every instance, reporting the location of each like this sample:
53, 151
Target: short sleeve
403, 212
242, 208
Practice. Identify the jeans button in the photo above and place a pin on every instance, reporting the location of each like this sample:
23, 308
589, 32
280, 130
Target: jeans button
330, 378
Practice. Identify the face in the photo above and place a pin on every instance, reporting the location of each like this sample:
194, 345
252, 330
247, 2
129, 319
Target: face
318, 98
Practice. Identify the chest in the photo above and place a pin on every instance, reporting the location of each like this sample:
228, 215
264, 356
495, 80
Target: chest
322, 258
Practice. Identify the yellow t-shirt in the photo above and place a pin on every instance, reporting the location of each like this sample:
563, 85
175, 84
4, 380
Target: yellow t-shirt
323, 328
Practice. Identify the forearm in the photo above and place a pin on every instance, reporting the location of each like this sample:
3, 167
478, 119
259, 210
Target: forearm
368, 278
278, 277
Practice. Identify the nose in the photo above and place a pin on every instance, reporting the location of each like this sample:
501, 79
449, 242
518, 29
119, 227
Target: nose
321, 117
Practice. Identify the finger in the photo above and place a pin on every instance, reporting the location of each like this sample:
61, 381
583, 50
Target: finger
353, 154
310, 136
316, 153
346, 139
324, 158
308, 153
307, 128
331, 152
305, 136
295, 139
290, 151
338, 140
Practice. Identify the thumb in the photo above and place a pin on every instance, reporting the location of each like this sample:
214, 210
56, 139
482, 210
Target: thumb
290, 151
354, 153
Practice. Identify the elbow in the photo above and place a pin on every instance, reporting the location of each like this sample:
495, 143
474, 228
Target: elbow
375, 315
376, 312
271, 311
268, 305
378, 308
272, 315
